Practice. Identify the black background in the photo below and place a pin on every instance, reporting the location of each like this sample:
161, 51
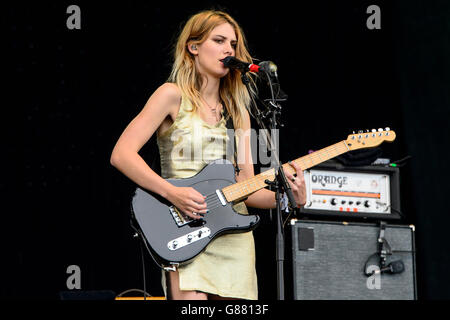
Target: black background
70, 93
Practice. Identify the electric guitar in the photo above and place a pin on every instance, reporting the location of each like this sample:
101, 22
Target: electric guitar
172, 238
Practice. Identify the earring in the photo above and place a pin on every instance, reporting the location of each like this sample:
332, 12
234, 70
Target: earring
194, 47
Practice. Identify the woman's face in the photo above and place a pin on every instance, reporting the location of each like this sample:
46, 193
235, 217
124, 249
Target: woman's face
220, 43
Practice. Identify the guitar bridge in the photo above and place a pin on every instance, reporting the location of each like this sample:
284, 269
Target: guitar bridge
180, 219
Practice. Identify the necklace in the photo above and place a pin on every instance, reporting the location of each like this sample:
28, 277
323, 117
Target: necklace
212, 109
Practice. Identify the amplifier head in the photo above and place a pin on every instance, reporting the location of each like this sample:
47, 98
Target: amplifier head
352, 192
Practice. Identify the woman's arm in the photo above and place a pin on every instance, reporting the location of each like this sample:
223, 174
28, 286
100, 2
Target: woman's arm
125, 156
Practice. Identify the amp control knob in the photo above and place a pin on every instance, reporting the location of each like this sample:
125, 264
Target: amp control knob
367, 204
333, 201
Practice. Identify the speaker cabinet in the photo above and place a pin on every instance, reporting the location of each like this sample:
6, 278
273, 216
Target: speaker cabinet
335, 261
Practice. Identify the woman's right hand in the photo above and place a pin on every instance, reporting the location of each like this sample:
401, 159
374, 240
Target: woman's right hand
189, 201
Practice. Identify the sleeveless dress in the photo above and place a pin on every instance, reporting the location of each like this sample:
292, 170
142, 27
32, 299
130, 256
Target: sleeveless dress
227, 266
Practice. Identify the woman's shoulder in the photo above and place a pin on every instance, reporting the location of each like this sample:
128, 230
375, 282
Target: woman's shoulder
167, 99
169, 91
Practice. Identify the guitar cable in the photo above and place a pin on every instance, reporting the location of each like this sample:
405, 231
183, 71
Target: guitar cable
401, 162
144, 292
143, 269
138, 236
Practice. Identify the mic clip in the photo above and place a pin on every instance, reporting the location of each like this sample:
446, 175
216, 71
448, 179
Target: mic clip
384, 249
244, 78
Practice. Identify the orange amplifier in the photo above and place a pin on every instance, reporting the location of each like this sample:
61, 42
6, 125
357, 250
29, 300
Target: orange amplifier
359, 192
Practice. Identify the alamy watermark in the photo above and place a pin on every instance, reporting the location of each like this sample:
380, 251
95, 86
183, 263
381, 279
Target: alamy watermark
74, 280
74, 20
374, 20
374, 280
252, 145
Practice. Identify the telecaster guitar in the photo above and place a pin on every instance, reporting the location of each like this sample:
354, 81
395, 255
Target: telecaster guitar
173, 238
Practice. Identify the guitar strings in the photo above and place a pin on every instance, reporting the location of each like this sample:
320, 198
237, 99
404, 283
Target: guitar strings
213, 201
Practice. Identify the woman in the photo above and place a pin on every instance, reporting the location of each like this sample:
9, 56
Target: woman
188, 112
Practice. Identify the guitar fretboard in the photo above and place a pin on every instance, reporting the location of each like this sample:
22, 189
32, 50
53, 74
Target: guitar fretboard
242, 189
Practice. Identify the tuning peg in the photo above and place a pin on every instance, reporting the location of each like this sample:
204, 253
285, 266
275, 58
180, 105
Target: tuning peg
354, 132
367, 130
360, 131
380, 129
374, 130
387, 129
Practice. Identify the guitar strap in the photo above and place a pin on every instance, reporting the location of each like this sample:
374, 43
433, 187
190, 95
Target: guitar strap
231, 139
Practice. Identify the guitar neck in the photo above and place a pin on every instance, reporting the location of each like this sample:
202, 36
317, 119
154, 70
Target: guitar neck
243, 189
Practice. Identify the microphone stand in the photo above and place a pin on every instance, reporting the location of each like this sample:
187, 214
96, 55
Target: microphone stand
279, 184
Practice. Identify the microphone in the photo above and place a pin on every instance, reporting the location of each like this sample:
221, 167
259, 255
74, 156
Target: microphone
393, 267
233, 63
270, 67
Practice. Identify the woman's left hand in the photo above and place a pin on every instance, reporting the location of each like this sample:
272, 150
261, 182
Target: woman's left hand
297, 184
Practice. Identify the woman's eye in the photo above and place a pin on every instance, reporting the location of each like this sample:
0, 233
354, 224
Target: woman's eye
221, 41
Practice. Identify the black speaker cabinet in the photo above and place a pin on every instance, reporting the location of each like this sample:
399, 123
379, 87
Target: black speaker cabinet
335, 261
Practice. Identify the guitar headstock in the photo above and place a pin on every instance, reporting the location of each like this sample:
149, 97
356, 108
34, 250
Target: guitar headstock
369, 139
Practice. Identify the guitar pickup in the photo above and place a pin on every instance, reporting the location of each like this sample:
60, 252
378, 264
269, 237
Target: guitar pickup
221, 197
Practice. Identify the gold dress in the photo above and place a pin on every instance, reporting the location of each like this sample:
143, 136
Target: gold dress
227, 266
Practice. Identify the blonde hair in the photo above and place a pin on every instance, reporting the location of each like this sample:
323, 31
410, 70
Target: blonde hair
232, 91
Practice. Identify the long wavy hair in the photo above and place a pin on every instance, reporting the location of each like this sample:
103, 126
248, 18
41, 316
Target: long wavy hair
232, 91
